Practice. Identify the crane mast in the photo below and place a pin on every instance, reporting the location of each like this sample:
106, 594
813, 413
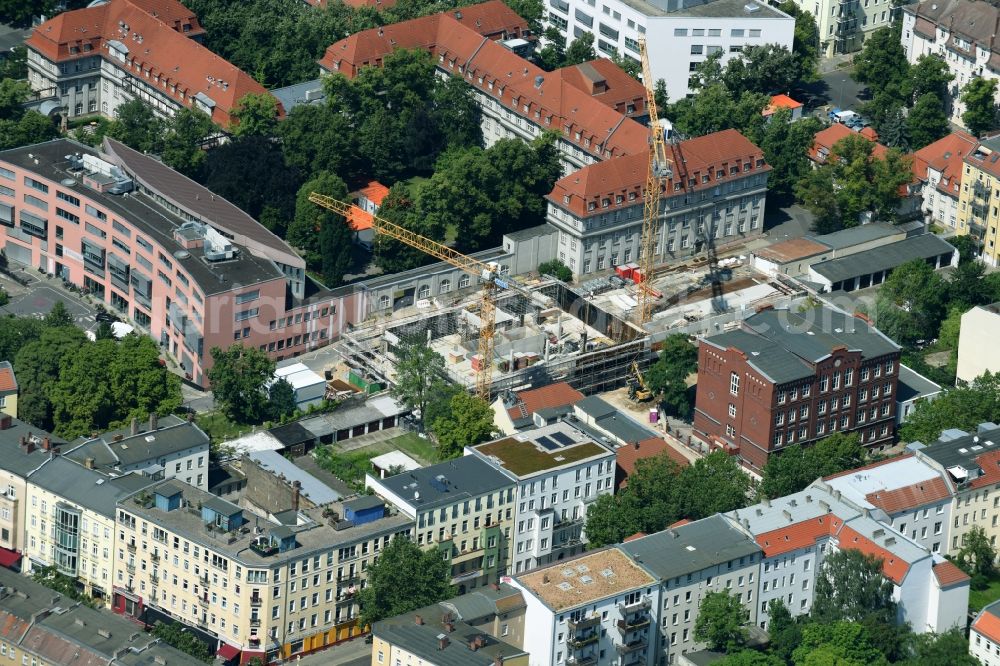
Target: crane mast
659, 173
489, 273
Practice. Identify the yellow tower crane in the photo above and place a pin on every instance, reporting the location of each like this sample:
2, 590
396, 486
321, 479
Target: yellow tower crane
659, 173
489, 273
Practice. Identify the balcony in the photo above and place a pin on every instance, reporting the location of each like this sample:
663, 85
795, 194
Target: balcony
154, 580
633, 623
584, 623
154, 558
130, 567
130, 547
256, 601
203, 579
466, 576
255, 622
589, 660
634, 646
580, 639
203, 600
636, 607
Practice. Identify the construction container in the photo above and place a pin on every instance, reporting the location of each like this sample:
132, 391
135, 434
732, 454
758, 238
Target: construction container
363, 383
624, 271
477, 362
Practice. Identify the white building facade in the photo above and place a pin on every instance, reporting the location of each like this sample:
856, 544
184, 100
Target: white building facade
680, 34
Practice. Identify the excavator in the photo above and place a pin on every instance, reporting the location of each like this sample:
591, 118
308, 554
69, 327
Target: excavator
638, 390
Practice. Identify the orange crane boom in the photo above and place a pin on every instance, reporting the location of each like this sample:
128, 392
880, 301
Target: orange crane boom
489, 273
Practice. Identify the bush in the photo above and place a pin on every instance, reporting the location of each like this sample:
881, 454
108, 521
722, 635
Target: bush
556, 269
979, 582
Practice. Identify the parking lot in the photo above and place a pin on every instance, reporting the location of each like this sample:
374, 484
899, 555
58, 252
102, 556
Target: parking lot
40, 295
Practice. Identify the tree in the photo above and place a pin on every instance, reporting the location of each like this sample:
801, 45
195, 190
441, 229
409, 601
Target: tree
966, 246
882, 63
786, 145
927, 121
182, 149
403, 578
580, 50
104, 331
667, 378
281, 394
720, 622
764, 69
238, 376
979, 97
966, 287
647, 504
417, 368
556, 269
12, 95
65, 585
37, 366
176, 635
59, 315
255, 114
15, 65
19, 13
324, 236
15, 333
553, 54
137, 127
439, 405
909, 304
964, 407
850, 587
713, 484
948, 649
894, 131
837, 643
714, 108
930, 74
977, 556
798, 466
786, 633
468, 422
749, 658
805, 43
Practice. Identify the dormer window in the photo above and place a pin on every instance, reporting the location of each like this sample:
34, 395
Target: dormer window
631, 196
619, 199
591, 205
605, 202
565, 198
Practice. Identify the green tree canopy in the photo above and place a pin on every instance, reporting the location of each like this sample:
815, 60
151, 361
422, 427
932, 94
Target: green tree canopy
963, 407
714, 108
786, 149
238, 376
281, 396
948, 649
851, 587
766, 69
720, 622
324, 236
667, 377
580, 50
977, 556
418, 369
805, 44
402, 579
930, 74
713, 484
12, 95
909, 304
182, 143
837, 643
37, 366
256, 114
797, 466
175, 634
927, 121
59, 315
882, 63
556, 269
469, 421
979, 97
137, 127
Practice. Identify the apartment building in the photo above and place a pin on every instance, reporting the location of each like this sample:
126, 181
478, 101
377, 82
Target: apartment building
22, 451
516, 410
187, 267
168, 448
558, 471
938, 168
798, 531
785, 378
717, 191
261, 587
591, 106
593, 609
688, 562
969, 462
680, 34
977, 202
8, 389
464, 508
44, 628
962, 33
90, 61
845, 25
980, 326
70, 521
433, 636
915, 496
984, 635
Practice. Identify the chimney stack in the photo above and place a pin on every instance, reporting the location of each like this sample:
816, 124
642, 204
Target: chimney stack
190, 417
88, 463
498, 660
46, 443
5, 422
442, 641
418, 620
152, 421
134, 427
296, 492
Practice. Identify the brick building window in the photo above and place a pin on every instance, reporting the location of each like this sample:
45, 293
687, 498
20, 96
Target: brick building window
734, 383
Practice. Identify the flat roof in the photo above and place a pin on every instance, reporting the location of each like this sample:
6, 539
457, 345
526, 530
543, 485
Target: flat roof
858, 484
609, 418
298, 375
791, 250
863, 233
446, 483
704, 8
586, 579
884, 257
312, 489
691, 547
542, 449
148, 216
395, 459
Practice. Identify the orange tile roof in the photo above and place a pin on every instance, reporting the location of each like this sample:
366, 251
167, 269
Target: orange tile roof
679, 523
911, 496
159, 51
585, 192
827, 138
988, 624
869, 133
558, 394
798, 535
627, 456
375, 192
359, 220
585, 102
893, 568
637, 535
990, 464
8, 382
357, 4
781, 102
948, 574
945, 156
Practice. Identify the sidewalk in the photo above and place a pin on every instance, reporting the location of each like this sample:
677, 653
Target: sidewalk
834, 63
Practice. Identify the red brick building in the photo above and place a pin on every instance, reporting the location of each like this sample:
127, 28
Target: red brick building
792, 378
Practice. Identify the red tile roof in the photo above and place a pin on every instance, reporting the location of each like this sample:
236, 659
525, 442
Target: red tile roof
159, 51
912, 496
597, 187
627, 456
585, 102
990, 464
893, 568
357, 4
945, 156
359, 220
988, 625
781, 102
7, 380
798, 535
679, 523
559, 394
637, 535
948, 574
375, 192
869, 133
825, 140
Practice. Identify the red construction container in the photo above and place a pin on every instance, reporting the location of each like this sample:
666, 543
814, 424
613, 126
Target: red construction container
477, 362
637, 276
624, 271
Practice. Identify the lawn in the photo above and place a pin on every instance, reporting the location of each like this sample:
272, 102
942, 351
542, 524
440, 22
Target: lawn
218, 427
414, 446
980, 598
351, 466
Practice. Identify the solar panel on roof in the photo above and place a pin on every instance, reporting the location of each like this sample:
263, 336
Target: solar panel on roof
562, 438
547, 443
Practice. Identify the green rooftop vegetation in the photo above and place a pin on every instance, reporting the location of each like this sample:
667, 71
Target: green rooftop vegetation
523, 458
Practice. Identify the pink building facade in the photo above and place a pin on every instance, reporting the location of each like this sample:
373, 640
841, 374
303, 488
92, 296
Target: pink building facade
185, 266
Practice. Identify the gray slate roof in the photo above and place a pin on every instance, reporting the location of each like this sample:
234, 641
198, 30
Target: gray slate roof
690, 548
883, 258
295, 95
465, 477
610, 418
913, 385
87, 487
16, 461
783, 345
865, 233
313, 489
176, 435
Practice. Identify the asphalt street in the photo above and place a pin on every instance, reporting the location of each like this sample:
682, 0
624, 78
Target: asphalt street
11, 37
